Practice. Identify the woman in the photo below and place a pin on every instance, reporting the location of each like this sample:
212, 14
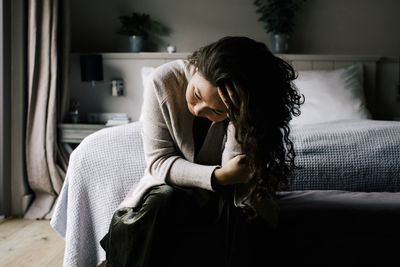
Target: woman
230, 103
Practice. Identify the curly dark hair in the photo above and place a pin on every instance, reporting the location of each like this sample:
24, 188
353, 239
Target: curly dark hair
263, 101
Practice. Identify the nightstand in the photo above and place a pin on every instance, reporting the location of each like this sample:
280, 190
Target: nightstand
75, 132
71, 134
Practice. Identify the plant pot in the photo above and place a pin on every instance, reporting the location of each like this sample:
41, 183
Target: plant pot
280, 43
135, 43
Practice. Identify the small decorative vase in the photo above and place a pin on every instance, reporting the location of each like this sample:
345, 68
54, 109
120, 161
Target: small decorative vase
135, 43
280, 43
171, 49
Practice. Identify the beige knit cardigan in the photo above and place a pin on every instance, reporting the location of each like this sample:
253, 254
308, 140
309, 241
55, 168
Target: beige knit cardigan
167, 135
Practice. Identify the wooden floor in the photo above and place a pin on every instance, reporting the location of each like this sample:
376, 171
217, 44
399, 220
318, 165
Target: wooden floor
29, 243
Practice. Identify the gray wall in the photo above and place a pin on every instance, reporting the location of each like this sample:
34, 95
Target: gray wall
352, 27
348, 27
192, 23
322, 26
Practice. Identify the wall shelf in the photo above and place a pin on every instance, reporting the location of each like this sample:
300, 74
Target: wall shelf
142, 55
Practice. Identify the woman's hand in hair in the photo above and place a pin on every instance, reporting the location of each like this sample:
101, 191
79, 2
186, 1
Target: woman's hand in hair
235, 171
228, 97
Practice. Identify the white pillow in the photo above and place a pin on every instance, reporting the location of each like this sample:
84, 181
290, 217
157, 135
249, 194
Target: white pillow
331, 95
145, 73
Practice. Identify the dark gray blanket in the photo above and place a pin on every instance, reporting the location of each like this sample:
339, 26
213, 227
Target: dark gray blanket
361, 155
337, 228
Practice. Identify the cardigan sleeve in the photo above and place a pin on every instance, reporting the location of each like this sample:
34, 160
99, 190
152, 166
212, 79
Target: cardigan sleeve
163, 159
232, 147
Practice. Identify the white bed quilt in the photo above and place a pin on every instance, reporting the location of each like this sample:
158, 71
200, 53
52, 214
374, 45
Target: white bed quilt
101, 171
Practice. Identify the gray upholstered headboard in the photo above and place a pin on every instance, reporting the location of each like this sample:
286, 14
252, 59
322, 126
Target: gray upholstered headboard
128, 67
330, 62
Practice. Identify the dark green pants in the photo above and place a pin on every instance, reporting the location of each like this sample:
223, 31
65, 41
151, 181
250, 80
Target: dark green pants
183, 227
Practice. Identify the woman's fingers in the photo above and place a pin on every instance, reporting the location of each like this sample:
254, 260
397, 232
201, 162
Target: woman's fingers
241, 158
233, 97
224, 98
228, 97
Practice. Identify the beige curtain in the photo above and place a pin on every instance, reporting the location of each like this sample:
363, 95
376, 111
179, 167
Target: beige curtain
48, 63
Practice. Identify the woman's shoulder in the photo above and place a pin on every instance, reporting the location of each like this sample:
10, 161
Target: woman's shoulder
176, 69
171, 77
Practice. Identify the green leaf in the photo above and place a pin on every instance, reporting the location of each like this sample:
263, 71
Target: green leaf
277, 15
140, 24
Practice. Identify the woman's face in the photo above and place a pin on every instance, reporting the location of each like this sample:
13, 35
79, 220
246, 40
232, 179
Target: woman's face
203, 99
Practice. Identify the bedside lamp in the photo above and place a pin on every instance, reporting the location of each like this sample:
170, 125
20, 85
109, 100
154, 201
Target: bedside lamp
91, 68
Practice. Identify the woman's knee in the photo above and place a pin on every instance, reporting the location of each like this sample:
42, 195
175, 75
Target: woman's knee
159, 201
162, 198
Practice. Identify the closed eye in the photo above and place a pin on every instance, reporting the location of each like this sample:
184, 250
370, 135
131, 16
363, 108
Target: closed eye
196, 95
217, 112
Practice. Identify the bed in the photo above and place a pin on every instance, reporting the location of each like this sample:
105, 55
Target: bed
341, 207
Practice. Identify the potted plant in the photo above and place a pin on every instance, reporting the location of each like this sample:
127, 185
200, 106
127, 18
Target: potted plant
139, 27
278, 17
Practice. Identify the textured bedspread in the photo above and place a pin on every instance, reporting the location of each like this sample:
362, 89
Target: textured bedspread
101, 171
354, 156
348, 155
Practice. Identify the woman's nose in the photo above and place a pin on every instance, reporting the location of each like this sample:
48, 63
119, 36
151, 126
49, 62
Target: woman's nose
198, 110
